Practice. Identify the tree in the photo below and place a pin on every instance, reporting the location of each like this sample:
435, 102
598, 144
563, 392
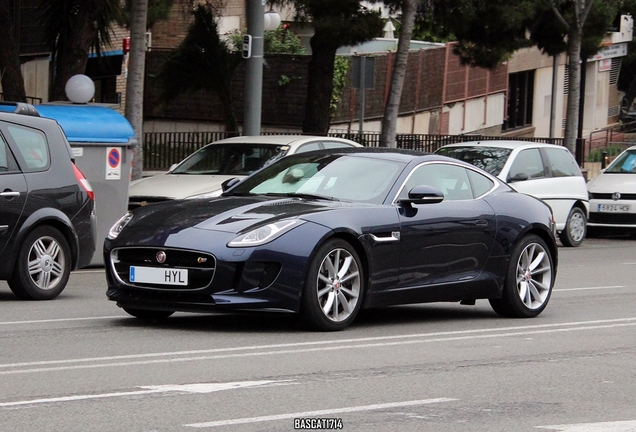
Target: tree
74, 28
202, 61
135, 81
336, 23
10, 73
391, 110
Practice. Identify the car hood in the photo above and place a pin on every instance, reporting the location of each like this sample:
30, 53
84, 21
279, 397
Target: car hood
176, 186
228, 214
610, 183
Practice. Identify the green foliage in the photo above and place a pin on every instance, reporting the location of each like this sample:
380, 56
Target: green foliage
340, 82
279, 41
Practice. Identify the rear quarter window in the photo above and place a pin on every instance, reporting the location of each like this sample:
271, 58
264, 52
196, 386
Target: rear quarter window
32, 146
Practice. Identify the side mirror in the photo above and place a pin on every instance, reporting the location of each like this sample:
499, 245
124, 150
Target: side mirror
518, 177
229, 183
423, 194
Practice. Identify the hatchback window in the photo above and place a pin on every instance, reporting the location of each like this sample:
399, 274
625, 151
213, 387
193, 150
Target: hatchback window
491, 159
32, 146
335, 144
562, 163
308, 147
527, 163
228, 159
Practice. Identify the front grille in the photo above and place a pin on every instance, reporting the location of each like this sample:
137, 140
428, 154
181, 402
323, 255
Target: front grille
200, 266
613, 218
608, 196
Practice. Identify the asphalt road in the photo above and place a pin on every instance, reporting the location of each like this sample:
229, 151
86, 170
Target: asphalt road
79, 363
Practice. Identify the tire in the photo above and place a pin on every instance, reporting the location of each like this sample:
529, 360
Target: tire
334, 287
575, 228
43, 265
148, 314
529, 280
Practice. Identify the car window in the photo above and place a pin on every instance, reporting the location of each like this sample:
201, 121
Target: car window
481, 184
335, 144
562, 162
527, 163
228, 159
32, 146
308, 147
624, 163
452, 180
490, 159
7, 162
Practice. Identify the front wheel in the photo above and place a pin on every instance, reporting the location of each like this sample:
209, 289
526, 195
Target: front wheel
43, 265
333, 290
575, 228
529, 280
148, 314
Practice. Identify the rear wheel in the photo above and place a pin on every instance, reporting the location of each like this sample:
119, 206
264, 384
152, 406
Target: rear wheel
333, 291
148, 314
529, 280
43, 265
575, 228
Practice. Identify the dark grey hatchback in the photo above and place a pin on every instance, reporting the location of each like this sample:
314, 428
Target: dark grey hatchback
47, 207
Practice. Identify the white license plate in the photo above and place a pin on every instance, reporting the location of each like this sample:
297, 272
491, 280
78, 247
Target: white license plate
158, 275
614, 208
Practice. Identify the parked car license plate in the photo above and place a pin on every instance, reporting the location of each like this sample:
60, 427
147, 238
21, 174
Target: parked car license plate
615, 208
158, 275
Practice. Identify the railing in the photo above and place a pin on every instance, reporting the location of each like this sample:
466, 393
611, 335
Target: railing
13, 98
163, 149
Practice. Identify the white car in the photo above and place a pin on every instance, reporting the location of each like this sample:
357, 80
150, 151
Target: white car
613, 194
201, 174
545, 171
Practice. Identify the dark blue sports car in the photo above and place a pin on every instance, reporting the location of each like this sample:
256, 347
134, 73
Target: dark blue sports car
327, 233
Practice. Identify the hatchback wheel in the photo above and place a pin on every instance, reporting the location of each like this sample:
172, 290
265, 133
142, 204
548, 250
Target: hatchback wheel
333, 291
529, 280
575, 228
43, 266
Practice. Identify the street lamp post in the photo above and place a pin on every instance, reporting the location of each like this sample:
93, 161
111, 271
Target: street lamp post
256, 27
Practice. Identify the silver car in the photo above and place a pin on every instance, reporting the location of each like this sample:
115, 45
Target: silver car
201, 174
613, 194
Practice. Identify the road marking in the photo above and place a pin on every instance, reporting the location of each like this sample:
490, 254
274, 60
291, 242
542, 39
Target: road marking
618, 426
185, 389
590, 288
321, 413
306, 347
62, 320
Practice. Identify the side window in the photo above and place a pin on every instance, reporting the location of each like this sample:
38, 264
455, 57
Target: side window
32, 147
7, 162
562, 163
335, 144
308, 147
452, 180
527, 163
481, 183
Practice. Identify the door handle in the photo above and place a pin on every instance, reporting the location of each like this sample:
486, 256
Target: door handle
481, 222
9, 194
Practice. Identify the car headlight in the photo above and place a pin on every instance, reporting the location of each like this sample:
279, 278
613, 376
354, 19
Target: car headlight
265, 233
213, 194
119, 226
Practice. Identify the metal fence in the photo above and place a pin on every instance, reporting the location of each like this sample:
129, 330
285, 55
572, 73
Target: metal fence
163, 149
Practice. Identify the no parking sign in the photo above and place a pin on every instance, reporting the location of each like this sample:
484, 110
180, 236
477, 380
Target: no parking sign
113, 163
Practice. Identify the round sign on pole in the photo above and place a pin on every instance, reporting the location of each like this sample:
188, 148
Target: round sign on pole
113, 163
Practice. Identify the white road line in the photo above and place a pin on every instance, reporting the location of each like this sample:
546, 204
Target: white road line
187, 388
52, 320
320, 413
618, 426
589, 288
307, 347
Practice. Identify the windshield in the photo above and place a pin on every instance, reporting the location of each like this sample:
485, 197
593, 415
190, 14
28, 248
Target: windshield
347, 177
491, 159
229, 159
625, 163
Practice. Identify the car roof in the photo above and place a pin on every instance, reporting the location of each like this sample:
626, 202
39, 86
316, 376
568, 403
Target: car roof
289, 140
509, 144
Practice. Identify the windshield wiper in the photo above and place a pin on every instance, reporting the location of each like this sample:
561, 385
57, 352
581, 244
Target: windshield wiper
301, 195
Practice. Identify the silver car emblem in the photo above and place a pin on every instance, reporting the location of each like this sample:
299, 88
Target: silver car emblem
616, 196
161, 257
